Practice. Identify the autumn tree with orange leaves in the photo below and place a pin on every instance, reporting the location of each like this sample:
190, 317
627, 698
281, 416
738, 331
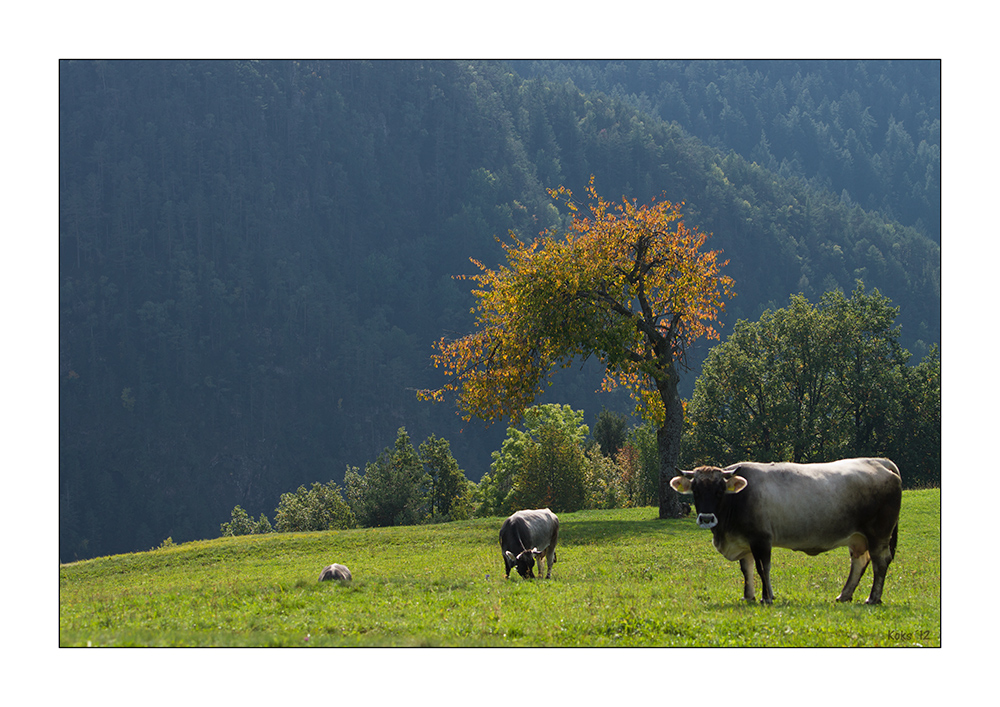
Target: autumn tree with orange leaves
626, 283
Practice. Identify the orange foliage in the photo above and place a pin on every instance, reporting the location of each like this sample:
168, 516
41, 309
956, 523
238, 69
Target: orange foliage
627, 283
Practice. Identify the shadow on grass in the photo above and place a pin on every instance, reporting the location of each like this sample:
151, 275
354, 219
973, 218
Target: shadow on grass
587, 531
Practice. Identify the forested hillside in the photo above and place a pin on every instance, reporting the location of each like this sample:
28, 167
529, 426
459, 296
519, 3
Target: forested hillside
868, 130
256, 256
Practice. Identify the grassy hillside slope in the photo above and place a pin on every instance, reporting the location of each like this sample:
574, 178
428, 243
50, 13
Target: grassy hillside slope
622, 579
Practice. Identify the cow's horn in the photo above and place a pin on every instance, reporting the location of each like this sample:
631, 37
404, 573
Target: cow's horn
681, 472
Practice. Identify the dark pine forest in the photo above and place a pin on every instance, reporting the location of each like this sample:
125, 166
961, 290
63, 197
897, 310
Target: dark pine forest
254, 257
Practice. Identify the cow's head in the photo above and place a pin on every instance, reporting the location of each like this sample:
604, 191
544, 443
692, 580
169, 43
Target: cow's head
708, 485
524, 562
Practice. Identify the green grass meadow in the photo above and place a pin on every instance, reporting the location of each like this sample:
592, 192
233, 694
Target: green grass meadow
623, 578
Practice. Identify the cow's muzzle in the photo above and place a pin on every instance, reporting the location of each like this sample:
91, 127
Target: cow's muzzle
707, 520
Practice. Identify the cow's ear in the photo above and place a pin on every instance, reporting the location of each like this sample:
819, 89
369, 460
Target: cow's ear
681, 484
509, 555
735, 484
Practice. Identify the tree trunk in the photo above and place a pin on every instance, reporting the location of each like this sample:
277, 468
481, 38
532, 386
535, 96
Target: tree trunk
668, 442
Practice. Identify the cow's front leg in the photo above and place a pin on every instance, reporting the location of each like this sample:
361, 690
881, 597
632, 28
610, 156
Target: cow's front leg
762, 559
859, 563
746, 566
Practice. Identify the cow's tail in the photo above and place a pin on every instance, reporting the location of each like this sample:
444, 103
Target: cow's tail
891, 466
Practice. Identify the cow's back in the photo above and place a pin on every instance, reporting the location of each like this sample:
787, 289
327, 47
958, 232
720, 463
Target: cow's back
535, 528
804, 506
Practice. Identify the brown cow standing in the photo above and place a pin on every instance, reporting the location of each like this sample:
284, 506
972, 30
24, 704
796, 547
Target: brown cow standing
812, 508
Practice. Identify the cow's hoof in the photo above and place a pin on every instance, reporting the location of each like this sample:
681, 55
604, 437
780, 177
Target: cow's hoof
873, 603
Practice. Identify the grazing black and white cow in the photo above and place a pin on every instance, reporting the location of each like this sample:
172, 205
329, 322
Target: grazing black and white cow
812, 508
335, 572
527, 535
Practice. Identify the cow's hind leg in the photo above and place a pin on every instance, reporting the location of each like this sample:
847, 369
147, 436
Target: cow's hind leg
550, 558
746, 566
762, 559
859, 563
881, 557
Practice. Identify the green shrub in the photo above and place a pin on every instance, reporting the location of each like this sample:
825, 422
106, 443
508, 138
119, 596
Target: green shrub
602, 482
610, 432
240, 523
321, 507
263, 525
540, 466
639, 460
394, 489
450, 493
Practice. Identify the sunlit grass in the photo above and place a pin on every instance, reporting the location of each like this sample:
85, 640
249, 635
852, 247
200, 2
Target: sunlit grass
623, 579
